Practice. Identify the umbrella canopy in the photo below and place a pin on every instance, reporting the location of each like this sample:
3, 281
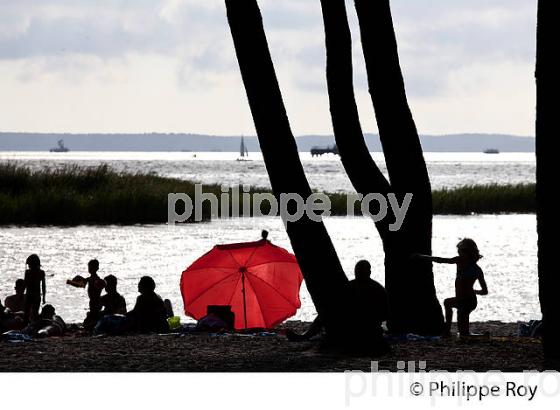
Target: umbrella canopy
259, 280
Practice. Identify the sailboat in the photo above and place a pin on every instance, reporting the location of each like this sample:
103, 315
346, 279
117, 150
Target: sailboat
243, 152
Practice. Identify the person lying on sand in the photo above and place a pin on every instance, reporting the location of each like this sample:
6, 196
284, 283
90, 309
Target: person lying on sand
149, 314
94, 287
112, 301
16, 303
48, 324
370, 307
468, 272
35, 285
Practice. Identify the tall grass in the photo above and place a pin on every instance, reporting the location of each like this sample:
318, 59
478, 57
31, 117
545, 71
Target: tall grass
79, 195
486, 199
99, 195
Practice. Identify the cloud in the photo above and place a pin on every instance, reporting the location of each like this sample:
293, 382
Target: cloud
73, 42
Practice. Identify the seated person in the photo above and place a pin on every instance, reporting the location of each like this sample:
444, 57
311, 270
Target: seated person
112, 302
368, 295
3, 316
369, 310
219, 318
212, 323
168, 308
16, 302
149, 313
9, 320
48, 324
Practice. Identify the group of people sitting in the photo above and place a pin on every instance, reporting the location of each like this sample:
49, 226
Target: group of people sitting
13, 316
107, 312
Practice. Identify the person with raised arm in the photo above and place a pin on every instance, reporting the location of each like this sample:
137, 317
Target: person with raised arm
94, 286
468, 272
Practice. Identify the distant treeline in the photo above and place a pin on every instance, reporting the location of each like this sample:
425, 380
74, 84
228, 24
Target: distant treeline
99, 195
10, 141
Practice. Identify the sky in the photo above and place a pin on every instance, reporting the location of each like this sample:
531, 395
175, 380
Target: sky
135, 66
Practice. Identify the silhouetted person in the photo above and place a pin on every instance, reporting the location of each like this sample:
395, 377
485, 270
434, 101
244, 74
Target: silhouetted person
3, 317
35, 284
112, 302
149, 314
368, 296
168, 308
94, 286
16, 302
9, 320
2, 313
48, 324
369, 309
468, 272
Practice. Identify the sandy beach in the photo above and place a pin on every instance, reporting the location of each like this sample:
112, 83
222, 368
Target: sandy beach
76, 352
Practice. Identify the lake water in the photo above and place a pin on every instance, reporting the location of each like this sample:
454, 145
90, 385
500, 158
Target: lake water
447, 170
508, 242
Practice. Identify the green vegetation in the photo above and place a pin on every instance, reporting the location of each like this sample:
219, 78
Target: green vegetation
78, 195
486, 199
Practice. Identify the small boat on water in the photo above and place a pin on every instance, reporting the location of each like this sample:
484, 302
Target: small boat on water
491, 151
60, 147
318, 151
243, 152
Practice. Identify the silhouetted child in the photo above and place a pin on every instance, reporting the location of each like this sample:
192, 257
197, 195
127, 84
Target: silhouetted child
112, 301
16, 302
35, 284
149, 313
94, 287
468, 272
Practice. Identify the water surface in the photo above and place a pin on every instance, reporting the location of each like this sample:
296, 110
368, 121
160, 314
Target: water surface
508, 243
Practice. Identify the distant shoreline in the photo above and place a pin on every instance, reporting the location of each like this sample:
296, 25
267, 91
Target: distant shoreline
176, 142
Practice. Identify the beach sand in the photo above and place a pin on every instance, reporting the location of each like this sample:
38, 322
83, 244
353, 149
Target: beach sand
76, 352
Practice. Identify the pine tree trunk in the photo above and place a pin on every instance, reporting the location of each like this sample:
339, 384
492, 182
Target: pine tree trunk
547, 132
413, 303
321, 268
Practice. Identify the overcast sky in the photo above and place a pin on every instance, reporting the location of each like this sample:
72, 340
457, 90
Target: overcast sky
169, 66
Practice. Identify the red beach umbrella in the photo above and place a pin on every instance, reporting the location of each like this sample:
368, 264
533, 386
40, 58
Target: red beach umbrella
259, 280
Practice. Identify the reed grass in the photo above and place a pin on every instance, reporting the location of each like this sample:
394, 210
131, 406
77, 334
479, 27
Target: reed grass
76, 195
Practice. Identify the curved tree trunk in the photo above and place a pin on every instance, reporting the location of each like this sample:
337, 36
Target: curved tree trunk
412, 298
548, 90
321, 268
414, 306
354, 154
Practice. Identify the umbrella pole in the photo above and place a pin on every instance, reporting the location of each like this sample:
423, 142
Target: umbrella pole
244, 299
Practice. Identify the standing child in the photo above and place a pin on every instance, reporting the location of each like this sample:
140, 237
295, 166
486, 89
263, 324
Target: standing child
94, 287
468, 272
35, 284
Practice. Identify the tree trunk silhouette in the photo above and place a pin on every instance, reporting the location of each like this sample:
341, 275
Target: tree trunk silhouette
321, 268
548, 91
413, 303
